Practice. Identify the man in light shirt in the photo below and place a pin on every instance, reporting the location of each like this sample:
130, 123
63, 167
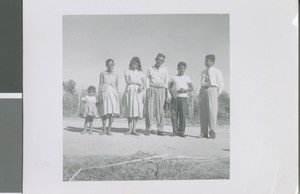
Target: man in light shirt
211, 87
157, 84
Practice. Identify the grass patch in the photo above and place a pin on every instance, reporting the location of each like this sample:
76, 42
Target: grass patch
155, 169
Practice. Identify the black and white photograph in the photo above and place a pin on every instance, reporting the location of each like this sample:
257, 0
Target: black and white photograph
146, 97
143, 97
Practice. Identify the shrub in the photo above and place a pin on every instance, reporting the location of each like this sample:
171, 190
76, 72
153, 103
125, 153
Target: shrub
70, 99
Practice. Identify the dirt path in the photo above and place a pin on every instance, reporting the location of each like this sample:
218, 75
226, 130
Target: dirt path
122, 145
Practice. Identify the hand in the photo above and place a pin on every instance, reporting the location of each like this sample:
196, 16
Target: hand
182, 90
140, 89
148, 93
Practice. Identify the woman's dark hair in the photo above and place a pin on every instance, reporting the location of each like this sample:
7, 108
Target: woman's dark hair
91, 88
136, 59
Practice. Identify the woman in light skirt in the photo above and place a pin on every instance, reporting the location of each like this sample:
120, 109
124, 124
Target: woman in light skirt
134, 94
108, 96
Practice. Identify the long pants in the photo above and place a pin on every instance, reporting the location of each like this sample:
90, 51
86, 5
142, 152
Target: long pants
179, 110
154, 105
208, 110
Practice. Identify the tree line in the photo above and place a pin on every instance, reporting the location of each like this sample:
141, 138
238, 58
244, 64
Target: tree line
72, 95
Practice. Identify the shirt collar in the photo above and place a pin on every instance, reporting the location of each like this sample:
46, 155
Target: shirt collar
161, 67
109, 73
211, 68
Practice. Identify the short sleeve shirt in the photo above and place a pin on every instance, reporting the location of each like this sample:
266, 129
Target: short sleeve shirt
180, 82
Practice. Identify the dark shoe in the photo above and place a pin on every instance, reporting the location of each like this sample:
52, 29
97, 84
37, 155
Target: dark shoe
182, 135
173, 134
160, 133
147, 132
135, 133
212, 137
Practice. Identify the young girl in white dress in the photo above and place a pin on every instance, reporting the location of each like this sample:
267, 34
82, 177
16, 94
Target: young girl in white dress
133, 95
89, 111
108, 96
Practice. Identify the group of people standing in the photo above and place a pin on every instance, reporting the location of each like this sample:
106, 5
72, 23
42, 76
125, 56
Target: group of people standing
156, 85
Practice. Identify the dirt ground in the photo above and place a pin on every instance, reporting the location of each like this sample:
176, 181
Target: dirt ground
184, 158
119, 144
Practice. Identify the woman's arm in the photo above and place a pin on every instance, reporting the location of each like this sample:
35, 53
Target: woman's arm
100, 88
142, 86
117, 82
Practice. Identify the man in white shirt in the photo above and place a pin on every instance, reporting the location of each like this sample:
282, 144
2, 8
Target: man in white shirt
157, 84
211, 87
179, 87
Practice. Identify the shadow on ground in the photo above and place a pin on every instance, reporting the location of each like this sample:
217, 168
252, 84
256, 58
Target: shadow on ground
98, 129
117, 130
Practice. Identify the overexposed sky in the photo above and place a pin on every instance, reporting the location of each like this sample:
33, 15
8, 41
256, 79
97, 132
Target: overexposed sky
89, 40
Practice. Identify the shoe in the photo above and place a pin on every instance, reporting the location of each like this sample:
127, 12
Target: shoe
135, 133
83, 132
102, 133
212, 137
160, 133
154, 132
201, 136
147, 132
173, 134
127, 133
182, 135
109, 133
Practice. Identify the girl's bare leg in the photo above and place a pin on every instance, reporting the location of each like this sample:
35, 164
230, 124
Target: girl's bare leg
91, 127
85, 126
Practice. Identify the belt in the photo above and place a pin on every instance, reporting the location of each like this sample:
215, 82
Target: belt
156, 87
206, 87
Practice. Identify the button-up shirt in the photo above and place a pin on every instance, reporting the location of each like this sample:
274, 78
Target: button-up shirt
215, 77
157, 77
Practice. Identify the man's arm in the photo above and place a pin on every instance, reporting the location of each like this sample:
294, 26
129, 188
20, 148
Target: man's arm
171, 84
166, 79
147, 81
191, 88
220, 82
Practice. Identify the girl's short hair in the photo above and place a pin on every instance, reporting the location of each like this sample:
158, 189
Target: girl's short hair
211, 57
181, 64
136, 59
108, 60
91, 88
